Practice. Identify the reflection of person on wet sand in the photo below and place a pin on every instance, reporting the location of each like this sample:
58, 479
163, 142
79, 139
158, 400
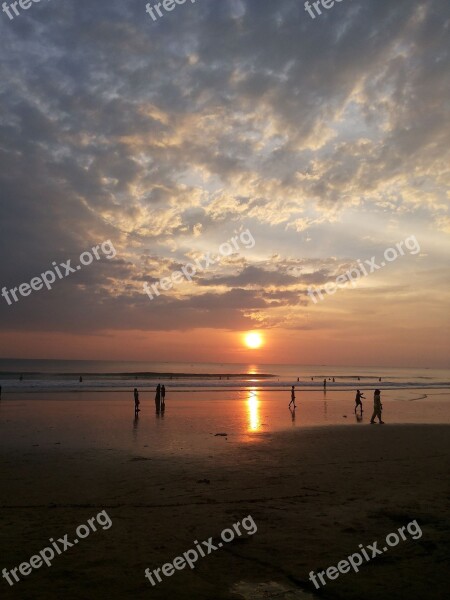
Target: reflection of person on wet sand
292, 411
163, 397
292, 397
358, 401
136, 401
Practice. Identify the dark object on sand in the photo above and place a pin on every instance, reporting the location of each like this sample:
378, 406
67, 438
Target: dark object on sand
221, 434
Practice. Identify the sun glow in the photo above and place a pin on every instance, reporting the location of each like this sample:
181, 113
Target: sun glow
253, 340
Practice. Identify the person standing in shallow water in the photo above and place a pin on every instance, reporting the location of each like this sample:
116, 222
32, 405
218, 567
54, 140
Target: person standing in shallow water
158, 398
136, 401
292, 397
163, 397
377, 408
358, 401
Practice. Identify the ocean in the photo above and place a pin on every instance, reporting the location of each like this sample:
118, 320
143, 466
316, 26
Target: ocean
63, 375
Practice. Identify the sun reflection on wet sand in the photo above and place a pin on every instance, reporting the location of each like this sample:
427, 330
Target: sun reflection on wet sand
253, 406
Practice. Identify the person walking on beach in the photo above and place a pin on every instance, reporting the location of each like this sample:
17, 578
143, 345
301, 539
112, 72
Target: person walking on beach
163, 397
358, 401
158, 398
136, 402
325, 384
377, 408
292, 397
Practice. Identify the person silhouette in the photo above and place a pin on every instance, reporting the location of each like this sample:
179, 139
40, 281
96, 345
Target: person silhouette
158, 398
163, 397
358, 401
324, 384
377, 408
136, 401
292, 397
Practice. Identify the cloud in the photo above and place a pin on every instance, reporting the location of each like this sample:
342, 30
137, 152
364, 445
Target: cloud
327, 139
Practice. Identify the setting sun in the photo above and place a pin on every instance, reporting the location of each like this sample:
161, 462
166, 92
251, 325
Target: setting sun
253, 340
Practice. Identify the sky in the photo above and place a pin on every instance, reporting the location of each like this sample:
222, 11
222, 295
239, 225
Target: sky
320, 142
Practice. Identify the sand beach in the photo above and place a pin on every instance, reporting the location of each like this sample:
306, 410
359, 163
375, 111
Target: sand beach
316, 487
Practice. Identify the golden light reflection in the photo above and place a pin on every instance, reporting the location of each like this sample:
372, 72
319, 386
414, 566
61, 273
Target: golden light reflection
254, 420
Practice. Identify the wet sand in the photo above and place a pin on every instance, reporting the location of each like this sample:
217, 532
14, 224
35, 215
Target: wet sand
315, 493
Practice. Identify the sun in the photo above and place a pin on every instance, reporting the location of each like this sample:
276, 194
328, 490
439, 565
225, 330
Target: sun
253, 340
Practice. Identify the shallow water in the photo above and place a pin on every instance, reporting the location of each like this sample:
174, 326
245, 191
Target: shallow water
86, 420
